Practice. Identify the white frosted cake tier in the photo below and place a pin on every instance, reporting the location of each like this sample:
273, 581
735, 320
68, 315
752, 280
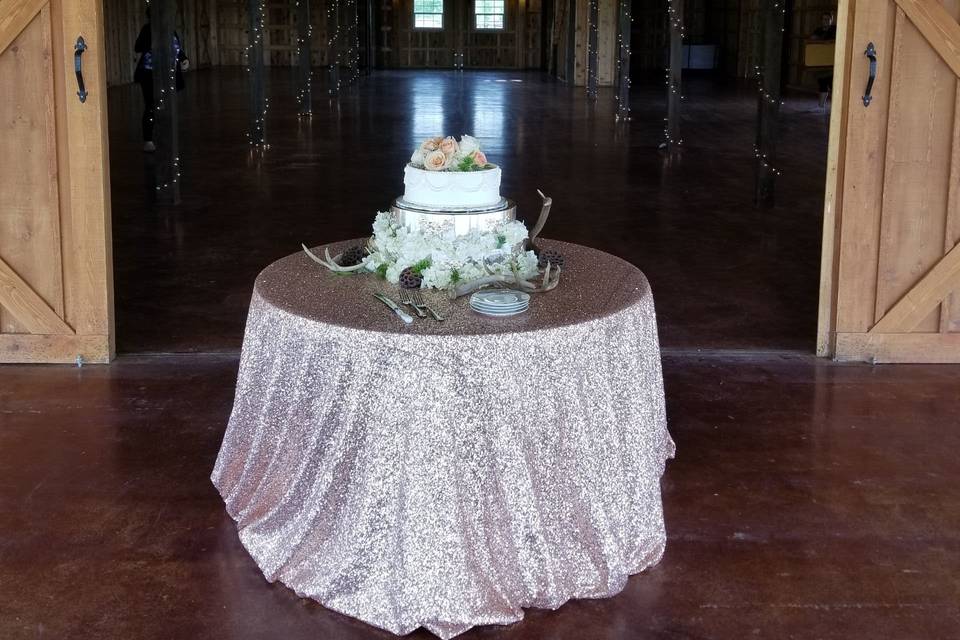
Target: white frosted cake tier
451, 189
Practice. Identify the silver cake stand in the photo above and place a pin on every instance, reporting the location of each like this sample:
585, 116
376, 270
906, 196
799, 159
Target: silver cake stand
461, 220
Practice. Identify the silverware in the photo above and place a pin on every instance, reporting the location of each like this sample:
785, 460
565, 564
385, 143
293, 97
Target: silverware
419, 303
403, 315
405, 299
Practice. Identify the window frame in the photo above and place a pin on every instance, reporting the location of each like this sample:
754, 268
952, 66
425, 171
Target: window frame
442, 14
474, 14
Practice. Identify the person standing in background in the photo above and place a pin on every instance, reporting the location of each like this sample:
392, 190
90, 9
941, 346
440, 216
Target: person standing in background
143, 75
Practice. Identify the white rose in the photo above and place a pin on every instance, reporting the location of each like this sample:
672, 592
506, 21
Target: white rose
468, 144
417, 157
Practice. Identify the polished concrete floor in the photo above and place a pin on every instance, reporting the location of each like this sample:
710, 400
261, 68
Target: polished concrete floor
807, 500
724, 273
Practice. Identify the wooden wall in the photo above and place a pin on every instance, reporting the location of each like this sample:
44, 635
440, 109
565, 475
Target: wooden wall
804, 19
195, 21
214, 32
280, 32
517, 46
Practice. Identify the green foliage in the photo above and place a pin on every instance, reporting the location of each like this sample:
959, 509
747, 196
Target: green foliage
421, 266
501, 240
382, 271
467, 164
454, 276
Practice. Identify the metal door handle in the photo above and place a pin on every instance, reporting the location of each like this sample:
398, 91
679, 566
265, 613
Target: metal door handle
871, 53
78, 50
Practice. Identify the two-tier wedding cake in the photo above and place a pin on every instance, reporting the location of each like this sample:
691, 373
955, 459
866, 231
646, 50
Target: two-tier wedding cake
451, 225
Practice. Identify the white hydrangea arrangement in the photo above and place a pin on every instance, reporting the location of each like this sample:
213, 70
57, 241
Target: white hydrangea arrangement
446, 260
446, 154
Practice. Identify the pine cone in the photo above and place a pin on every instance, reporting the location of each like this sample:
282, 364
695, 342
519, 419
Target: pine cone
549, 255
410, 279
352, 256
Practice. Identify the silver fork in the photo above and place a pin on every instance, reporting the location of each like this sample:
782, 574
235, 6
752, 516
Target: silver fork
405, 298
419, 303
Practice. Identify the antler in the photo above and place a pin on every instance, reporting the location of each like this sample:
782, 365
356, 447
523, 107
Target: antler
547, 284
331, 263
544, 213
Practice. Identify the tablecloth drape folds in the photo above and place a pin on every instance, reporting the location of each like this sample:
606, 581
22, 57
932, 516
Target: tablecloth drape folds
447, 475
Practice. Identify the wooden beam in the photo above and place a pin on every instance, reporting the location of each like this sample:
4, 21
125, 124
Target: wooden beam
570, 64
304, 55
674, 74
623, 60
921, 299
593, 47
768, 100
27, 307
15, 15
20, 348
932, 348
166, 123
255, 64
370, 43
333, 46
936, 24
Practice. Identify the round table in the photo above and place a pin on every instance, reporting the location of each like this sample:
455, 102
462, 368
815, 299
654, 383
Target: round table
448, 474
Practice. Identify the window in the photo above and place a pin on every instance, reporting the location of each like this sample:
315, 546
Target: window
489, 14
428, 14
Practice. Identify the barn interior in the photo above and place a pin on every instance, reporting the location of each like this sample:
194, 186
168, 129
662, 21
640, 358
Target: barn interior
689, 137
730, 272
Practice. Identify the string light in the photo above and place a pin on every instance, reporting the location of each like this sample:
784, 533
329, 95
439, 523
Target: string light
623, 96
674, 86
593, 52
257, 136
305, 90
352, 36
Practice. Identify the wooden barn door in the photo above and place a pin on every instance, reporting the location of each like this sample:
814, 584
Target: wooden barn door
891, 285
55, 266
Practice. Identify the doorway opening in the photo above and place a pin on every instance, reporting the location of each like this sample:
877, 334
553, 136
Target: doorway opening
726, 274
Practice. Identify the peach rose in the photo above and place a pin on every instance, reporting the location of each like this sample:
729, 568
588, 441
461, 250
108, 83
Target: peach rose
430, 144
449, 146
479, 158
435, 161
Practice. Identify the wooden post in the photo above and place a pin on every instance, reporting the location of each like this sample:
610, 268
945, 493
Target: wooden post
674, 74
593, 48
370, 41
258, 100
768, 100
165, 117
355, 41
571, 61
333, 46
623, 62
304, 66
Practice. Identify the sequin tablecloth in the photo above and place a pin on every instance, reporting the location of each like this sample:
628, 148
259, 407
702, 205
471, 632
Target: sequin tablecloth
447, 475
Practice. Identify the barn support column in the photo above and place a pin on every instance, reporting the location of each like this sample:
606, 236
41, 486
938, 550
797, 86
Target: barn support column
768, 101
333, 46
258, 98
623, 61
672, 131
593, 48
304, 57
165, 117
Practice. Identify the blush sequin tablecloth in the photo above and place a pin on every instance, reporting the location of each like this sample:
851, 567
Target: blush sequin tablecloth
447, 475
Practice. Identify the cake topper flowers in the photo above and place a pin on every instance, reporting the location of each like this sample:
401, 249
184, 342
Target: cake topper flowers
447, 154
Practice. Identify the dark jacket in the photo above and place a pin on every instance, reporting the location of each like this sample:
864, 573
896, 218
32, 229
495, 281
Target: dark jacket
144, 46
